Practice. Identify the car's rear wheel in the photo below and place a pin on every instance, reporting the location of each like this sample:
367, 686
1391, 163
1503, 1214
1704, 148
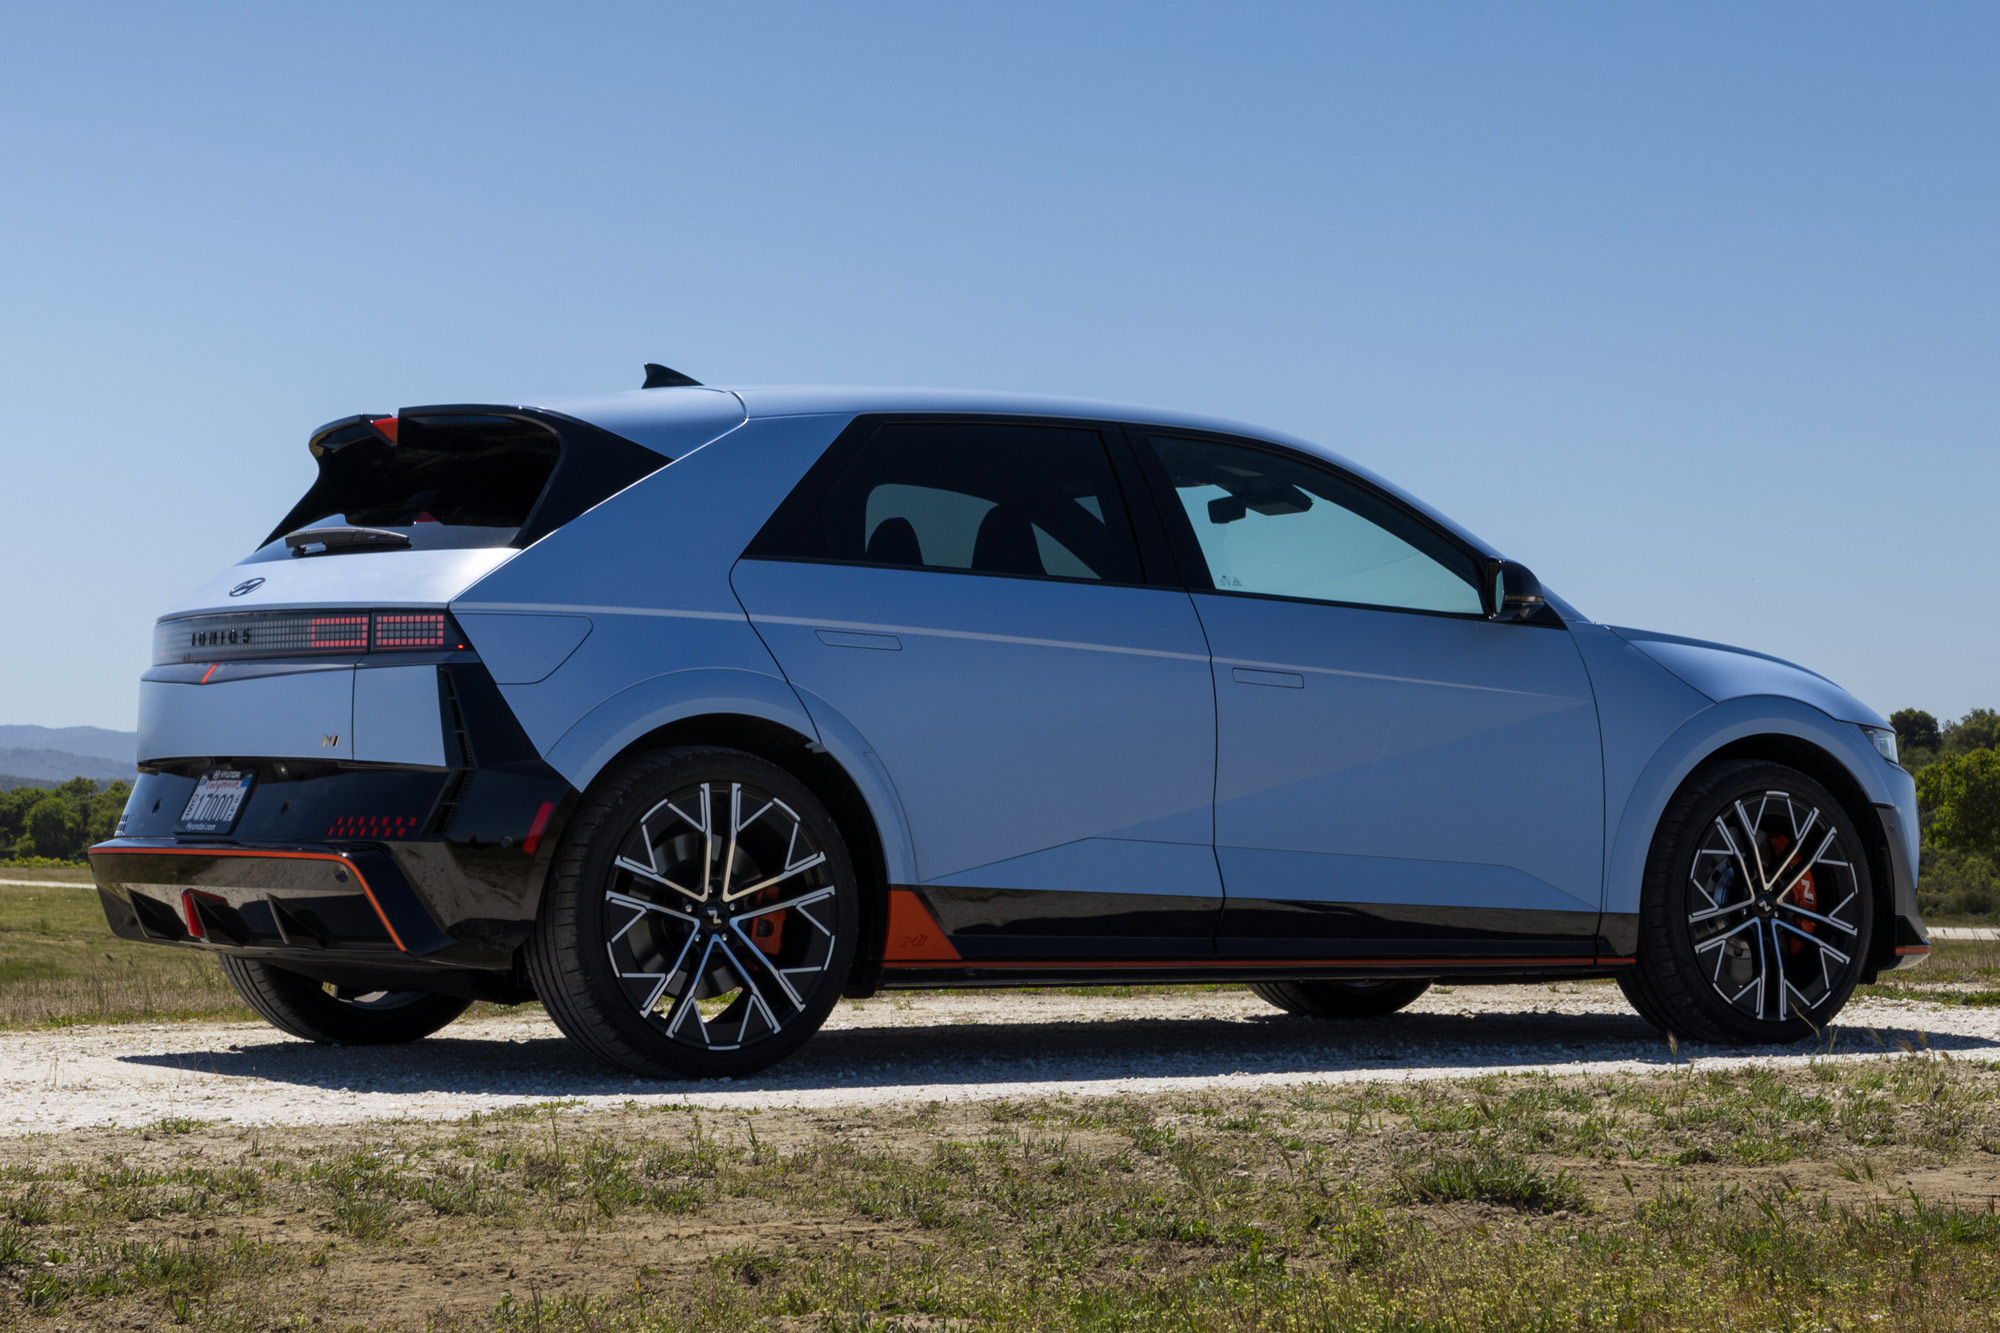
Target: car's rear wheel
337, 1015
1756, 911
701, 917
1340, 999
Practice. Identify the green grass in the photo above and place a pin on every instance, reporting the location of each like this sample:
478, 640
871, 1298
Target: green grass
64, 874
60, 963
1489, 1175
1952, 965
1500, 1203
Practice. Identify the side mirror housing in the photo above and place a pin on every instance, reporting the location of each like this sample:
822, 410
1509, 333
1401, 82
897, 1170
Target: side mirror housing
1515, 593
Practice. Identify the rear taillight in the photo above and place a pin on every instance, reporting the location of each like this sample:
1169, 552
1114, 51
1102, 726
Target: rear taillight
404, 630
249, 636
337, 634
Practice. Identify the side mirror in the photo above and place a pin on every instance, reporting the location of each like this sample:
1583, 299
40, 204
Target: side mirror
1516, 593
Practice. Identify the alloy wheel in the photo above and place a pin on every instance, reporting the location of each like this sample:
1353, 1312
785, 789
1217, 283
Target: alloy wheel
1775, 912
719, 916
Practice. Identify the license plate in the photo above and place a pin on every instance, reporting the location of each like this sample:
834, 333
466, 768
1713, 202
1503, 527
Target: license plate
217, 801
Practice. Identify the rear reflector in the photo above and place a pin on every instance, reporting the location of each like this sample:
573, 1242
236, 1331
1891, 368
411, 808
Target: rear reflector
372, 826
536, 829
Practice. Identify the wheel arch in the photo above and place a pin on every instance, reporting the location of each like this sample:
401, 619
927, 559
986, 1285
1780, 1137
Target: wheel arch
761, 715
1775, 729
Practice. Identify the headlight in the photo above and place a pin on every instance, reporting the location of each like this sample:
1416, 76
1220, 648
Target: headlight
1885, 741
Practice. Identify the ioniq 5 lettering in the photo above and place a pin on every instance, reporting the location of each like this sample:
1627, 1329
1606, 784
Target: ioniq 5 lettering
686, 711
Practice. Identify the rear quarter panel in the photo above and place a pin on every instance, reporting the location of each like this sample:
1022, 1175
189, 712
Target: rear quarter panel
668, 638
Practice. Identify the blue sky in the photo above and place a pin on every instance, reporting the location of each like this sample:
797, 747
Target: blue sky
1692, 308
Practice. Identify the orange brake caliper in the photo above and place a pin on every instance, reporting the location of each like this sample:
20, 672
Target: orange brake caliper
1804, 893
768, 932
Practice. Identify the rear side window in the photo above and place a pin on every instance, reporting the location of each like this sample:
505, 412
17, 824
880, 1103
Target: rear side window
982, 498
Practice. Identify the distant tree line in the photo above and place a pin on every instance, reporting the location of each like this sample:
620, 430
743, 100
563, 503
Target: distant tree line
58, 823
1957, 766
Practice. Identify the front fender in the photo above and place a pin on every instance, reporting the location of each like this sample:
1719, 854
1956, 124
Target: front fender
609, 729
1712, 729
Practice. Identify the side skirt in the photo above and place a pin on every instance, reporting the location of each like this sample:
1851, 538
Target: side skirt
1458, 971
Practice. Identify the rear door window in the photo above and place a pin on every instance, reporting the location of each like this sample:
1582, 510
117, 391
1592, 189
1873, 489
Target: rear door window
1027, 500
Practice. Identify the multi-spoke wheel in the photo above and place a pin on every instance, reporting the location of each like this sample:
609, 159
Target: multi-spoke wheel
700, 919
338, 1015
1757, 908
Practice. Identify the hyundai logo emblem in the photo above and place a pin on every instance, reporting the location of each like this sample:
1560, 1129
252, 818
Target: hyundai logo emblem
248, 585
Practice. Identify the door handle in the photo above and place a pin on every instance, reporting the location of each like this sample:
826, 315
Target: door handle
1284, 680
887, 643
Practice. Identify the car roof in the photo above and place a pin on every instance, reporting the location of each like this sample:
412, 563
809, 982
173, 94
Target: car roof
631, 413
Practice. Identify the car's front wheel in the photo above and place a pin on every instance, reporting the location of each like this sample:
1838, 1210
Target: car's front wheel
701, 917
1756, 910
338, 1015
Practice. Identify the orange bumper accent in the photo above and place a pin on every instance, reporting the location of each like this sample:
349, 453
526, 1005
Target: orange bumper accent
914, 934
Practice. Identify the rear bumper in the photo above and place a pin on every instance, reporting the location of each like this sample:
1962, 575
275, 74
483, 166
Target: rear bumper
266, 901
345, 870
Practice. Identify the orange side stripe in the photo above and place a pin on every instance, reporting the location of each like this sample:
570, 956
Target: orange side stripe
341, 861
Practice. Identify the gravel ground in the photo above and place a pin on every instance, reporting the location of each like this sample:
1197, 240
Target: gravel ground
912, 1048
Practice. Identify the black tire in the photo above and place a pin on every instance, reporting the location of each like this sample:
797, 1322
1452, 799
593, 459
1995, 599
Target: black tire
310, 1009
1340, 999
1706, 898
625, 951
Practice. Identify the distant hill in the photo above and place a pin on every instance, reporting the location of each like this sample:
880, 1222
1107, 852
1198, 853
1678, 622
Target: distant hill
8, 783
97, 742
52, 766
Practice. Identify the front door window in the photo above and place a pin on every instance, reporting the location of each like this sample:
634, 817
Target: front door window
1276, 526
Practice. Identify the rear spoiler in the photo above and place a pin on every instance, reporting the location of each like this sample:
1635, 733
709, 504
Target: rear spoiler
592, 464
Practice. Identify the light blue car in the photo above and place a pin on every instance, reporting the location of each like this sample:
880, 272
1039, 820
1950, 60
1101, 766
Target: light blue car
687, 711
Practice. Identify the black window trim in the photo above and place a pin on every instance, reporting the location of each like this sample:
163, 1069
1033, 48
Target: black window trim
1157, 565
1197, 576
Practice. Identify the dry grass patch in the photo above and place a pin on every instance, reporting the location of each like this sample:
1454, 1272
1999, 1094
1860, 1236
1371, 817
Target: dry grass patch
1850, 1194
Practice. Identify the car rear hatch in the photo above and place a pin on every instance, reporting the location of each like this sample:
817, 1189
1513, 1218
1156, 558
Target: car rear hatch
324, 643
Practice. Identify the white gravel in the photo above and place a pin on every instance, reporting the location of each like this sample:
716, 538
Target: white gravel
894, 1049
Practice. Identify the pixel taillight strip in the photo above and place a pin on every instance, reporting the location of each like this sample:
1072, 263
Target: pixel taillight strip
250, 635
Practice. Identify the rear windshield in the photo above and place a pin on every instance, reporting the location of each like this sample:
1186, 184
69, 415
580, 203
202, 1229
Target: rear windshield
455, 481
